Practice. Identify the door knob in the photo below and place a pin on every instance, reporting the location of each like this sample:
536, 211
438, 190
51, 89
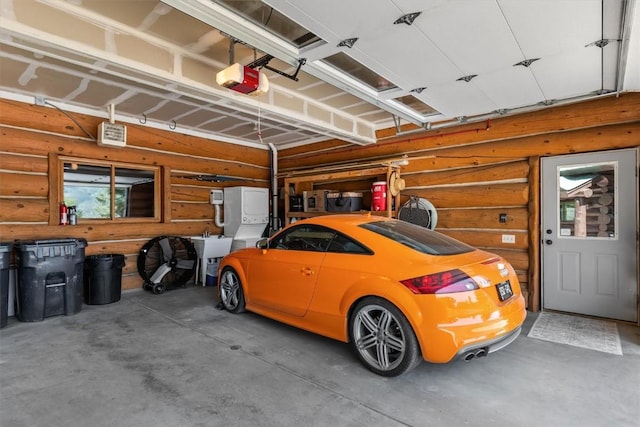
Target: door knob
549, 232
548, 241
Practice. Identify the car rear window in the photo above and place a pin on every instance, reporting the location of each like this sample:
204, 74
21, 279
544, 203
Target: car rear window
418, 238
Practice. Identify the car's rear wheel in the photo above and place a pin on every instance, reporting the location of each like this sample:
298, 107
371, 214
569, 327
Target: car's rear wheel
383, 338
231, 294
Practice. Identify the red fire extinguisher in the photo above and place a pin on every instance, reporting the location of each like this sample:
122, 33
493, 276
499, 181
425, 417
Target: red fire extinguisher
64, 219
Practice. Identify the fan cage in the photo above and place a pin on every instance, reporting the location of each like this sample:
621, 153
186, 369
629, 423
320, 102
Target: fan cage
419, 211
151, 258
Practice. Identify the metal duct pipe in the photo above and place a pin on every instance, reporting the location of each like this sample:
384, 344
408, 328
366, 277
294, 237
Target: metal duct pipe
275, 223
216, 218
498, 114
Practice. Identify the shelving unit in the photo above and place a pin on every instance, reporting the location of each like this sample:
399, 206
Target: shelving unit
297, 183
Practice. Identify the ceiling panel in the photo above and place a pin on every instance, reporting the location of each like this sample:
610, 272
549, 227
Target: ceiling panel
195, 117
510, 87
486, 44
95, 93
569, 74
461, 98
131, 13
545, 28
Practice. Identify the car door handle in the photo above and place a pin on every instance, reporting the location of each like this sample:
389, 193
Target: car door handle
307, 271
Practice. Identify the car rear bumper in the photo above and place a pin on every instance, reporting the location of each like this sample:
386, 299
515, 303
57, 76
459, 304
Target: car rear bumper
455, 337
486, 347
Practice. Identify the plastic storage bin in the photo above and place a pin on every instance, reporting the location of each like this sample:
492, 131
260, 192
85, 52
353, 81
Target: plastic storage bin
212, 271
5, 263
49, 278
344, 202
103, 278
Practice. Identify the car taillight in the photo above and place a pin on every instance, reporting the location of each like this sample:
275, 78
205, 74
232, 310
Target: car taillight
446, 282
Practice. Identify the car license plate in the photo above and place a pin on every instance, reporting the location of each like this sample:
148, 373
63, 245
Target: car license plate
504, 290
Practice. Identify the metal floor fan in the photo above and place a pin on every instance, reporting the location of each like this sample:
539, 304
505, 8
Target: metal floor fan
166, 262
420, 212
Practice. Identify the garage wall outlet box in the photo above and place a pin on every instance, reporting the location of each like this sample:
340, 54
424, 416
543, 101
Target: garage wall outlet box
508, 238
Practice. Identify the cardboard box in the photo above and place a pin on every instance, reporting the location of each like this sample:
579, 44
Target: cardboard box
344, 202
314, 201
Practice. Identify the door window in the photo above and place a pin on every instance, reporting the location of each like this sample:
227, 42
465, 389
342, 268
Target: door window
587, 200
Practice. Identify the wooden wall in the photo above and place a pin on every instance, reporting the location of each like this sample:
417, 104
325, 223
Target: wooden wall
474, 172
33, 136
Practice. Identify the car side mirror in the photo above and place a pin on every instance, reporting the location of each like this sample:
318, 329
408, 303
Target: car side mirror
262, 244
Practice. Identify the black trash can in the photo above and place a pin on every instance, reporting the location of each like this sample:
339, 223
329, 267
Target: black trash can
49, 278
103, 278
5, 263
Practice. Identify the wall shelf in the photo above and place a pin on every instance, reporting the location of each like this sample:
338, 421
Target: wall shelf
297, 183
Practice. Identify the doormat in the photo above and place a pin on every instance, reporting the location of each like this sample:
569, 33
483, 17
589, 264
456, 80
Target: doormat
577, 331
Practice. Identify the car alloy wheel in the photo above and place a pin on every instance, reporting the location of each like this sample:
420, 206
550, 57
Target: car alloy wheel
231, 293
383, 338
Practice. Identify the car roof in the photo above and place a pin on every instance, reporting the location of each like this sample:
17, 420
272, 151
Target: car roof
348, 223
339, 221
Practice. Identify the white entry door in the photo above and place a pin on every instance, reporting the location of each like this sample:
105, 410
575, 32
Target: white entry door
589, 234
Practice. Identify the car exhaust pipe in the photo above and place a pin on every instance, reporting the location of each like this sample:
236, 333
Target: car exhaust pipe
482, 352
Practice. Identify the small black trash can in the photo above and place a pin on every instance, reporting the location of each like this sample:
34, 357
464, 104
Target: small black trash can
5, 263
49, 278
103, 278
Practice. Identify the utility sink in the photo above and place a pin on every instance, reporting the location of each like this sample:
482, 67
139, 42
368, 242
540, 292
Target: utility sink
215, 246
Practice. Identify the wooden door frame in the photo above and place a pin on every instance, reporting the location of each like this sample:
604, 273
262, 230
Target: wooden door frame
535, 266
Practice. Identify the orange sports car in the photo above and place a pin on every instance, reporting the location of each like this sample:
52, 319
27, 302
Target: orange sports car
397, 292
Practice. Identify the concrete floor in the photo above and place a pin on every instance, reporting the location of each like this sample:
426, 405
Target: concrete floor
175, 360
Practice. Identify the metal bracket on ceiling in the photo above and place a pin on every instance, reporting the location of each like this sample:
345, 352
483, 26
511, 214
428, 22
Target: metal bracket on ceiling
396, 120
264, 63
602, 42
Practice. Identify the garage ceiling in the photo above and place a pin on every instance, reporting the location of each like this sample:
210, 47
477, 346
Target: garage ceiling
364, 65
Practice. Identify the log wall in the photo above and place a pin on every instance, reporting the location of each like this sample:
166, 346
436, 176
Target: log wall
472, 173
32, 137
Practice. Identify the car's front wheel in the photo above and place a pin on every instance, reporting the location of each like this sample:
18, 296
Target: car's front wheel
231, 294
383, 338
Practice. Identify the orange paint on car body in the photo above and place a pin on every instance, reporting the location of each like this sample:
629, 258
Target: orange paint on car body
317, 290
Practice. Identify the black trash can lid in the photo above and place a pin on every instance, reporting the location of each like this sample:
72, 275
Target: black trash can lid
116, 260
51, 242
104, 256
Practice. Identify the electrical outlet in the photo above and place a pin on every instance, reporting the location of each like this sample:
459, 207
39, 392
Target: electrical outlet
40, 101
508, 238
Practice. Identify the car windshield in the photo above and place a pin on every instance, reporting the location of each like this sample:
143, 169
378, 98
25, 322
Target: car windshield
418, 238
